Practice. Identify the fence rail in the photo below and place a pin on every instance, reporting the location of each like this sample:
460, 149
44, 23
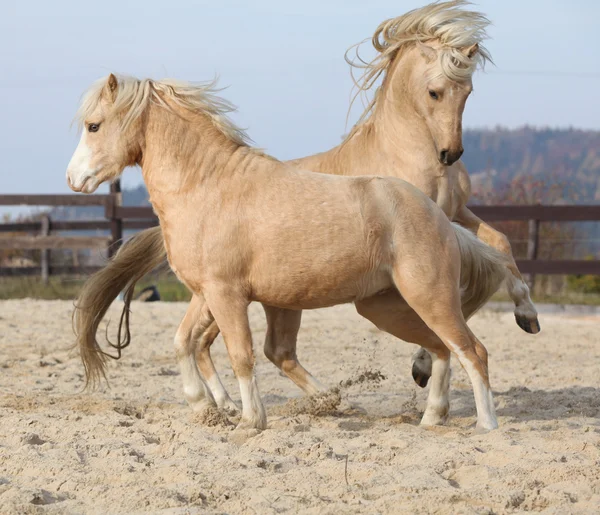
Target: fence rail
119, 218
540, 213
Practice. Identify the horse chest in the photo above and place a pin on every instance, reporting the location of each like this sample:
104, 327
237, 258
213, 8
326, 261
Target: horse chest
441, 191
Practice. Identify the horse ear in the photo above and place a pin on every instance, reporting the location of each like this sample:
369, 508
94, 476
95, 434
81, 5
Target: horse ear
110, 88
470, 51
427, 52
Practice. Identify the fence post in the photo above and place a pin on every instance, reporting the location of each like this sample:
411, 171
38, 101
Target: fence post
533, 242
45, 253
116, 224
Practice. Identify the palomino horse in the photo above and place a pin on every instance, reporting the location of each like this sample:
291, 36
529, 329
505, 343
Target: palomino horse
240, 226
411, 129
400, 134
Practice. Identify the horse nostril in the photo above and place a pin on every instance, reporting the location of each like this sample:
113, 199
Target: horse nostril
444, 156
461, 151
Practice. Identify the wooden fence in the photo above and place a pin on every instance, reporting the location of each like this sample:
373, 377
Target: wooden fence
119, 218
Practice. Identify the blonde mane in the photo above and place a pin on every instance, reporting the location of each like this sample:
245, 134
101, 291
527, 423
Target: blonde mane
445, 22
134, 95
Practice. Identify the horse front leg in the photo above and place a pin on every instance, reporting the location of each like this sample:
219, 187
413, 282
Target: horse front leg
196, 320
229, 306
203, 338
525, 313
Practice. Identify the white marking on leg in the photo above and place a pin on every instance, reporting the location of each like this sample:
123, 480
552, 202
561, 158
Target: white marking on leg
196, 393
253, 411
220, 394
484, 402
438, 402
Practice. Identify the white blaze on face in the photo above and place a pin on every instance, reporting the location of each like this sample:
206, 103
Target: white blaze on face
79, 171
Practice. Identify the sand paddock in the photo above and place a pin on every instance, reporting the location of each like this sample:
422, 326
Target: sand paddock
136, 447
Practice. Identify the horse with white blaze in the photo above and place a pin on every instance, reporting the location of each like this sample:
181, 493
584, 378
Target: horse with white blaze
240, 226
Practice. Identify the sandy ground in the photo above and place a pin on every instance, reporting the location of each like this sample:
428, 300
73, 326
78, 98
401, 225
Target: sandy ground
137, 448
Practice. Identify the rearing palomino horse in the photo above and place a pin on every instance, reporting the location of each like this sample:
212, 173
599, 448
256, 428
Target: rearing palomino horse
240, 226
429, 52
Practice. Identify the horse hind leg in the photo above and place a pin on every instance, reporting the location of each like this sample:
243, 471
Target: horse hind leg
435, 298
390, 313
457, 337
526, 315
438, 401
280, 347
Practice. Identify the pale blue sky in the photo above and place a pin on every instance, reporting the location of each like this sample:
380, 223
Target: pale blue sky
283, 63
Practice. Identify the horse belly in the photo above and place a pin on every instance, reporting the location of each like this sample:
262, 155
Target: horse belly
319, 286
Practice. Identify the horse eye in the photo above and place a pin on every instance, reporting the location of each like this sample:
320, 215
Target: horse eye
93, 127
433, 94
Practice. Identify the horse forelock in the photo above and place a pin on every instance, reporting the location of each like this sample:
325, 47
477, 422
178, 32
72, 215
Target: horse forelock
449, 24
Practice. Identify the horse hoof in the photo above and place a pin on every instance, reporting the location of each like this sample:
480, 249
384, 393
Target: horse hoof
529, 326
421, 368
420, 379
479, 430
433, 419
420, 376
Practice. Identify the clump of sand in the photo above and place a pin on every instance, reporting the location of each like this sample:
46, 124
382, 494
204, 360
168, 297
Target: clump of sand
212, 417
328, 402
372, 377
324, 403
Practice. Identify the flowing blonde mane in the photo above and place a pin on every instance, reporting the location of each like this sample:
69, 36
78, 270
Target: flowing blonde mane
134, 95
448, 23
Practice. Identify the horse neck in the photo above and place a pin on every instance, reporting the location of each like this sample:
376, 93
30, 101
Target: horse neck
393, 136
183, 151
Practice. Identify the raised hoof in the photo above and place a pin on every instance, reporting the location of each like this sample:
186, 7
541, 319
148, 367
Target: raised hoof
529, 326
421, 368
421, 377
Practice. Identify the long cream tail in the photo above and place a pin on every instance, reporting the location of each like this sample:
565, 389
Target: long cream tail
483, 269
141, 254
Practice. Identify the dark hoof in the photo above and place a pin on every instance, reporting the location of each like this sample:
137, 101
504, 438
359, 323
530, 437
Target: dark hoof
529, 326
420, 377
